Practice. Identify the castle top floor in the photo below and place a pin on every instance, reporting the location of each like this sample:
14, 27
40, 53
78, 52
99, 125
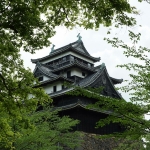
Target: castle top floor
72, 52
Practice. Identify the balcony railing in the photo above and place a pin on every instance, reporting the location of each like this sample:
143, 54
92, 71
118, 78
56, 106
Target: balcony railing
70, 61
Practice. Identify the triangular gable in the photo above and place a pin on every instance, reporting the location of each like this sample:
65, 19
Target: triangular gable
42, 70
37, 72
105, 81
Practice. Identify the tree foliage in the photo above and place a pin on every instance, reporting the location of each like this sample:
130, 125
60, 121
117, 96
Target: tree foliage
130, 115
16, 84
139, 85
29, 25
49, 132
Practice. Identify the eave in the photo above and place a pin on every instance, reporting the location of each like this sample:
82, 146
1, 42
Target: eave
78, 104
86, 82
116, 81
66, 48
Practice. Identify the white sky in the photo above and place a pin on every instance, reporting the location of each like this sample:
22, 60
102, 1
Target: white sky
96, 46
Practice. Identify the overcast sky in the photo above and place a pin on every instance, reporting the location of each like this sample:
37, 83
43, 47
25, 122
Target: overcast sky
96, 46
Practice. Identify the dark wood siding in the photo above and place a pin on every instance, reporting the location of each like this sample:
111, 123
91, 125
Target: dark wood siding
88, 121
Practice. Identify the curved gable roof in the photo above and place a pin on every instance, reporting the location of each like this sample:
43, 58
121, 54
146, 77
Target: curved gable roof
44, 70
77, 47
80, 104
116, 81
89, 80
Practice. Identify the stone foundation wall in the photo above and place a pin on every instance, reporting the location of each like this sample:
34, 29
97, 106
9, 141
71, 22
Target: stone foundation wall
92, 142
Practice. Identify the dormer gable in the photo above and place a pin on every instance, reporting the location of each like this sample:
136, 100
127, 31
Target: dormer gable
43, 73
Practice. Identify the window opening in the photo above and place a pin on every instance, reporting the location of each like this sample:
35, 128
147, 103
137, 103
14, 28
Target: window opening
40, 78
83, 73
68, 74
54, 88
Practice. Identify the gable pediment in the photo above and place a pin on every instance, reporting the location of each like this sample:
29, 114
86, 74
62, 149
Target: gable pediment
38, 73
105, 82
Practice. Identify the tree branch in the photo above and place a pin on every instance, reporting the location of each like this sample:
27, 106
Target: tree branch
64, 11
3, 80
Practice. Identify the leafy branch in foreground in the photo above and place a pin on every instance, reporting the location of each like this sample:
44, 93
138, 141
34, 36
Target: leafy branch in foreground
139, 86
17, 97
125, 113
128, 115
30, 24
50, 132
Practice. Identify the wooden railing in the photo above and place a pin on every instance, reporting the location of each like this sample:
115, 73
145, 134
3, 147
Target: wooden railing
70, 61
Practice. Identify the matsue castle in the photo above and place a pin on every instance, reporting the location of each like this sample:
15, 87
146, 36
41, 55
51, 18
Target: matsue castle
73, 64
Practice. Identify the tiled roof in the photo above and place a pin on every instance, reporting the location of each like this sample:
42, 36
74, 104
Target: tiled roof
46, 70
82, 83
75, 46
80, 104
116, 81
87, 81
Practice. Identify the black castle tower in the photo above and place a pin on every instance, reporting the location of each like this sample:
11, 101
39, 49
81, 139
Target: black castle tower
72, 63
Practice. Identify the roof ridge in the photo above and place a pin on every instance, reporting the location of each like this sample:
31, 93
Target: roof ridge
83, 106
64, 46
79, 48
113, 85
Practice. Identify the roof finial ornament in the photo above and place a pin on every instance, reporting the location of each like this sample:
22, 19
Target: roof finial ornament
52, 49
79, 37
102, 66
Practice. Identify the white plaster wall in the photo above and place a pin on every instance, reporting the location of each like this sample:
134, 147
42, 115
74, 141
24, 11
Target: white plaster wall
78, 72
49, 88
45, 78
67, 53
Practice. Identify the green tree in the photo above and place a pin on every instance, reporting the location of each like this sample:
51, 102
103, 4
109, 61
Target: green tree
139, 86
28, 25
49, 132
16, 84
131, 115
